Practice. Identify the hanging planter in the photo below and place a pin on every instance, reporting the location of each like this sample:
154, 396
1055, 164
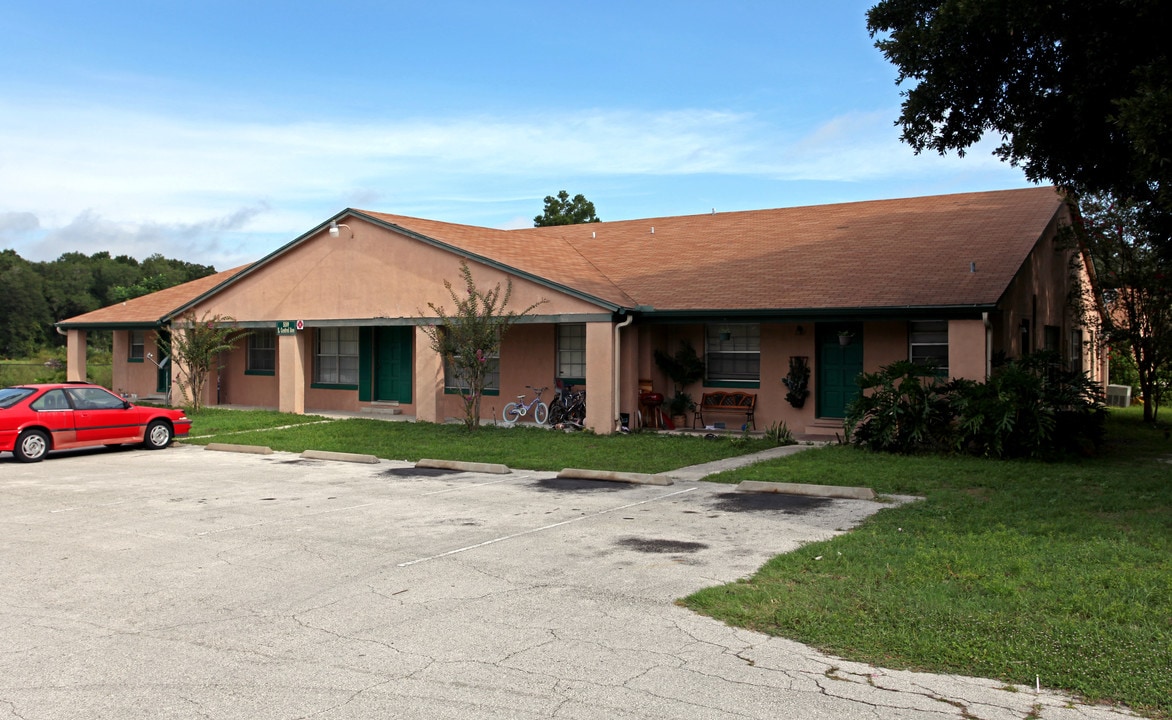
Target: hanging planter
797, 381
845, 337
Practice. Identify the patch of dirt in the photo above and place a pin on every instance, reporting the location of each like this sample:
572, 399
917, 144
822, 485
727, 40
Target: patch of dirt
573, 485
769, 502
657, 545
418, 472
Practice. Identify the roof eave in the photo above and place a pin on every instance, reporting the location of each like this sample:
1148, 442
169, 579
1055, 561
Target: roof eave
840, 314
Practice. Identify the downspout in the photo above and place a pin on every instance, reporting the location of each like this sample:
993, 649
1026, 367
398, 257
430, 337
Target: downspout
618, 421
988, 345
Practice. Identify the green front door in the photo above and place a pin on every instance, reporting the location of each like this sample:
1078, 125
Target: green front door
393, 359
838, 366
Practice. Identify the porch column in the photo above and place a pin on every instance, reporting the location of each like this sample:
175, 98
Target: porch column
601, 412
429, 380
291, 372
75, 342
966, 349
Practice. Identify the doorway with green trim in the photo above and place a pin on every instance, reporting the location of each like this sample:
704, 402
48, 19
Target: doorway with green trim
840, 360
393, 360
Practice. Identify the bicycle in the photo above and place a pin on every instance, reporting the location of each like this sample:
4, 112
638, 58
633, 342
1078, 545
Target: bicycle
568, 409
514, 411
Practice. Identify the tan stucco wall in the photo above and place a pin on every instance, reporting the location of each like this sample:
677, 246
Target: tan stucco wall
375, 274
75, 355
601, 412
138, 379
967, 349
883, 344
1038, 293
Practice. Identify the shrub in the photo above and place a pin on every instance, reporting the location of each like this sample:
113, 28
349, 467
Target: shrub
1031, 407
902, 409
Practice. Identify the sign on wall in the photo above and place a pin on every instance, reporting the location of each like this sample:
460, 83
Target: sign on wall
289, 327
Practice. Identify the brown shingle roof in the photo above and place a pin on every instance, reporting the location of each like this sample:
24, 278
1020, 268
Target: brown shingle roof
913, 252
907, 253
153, 308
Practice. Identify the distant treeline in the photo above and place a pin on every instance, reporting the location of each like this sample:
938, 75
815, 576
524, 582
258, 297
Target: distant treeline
34, 295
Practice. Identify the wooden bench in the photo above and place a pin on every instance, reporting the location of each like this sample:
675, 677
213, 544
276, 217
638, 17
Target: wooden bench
727, 402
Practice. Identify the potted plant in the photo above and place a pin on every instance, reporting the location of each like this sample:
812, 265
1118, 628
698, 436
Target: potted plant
684, 368
845, 337
797, 381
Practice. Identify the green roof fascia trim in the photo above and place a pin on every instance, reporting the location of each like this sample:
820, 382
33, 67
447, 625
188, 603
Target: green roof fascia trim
829, 314
141, 325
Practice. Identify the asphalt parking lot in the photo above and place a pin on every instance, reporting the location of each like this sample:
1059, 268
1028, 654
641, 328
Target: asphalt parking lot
196, 584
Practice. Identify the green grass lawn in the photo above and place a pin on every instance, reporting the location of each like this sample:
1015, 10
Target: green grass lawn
1008, 569
518, 447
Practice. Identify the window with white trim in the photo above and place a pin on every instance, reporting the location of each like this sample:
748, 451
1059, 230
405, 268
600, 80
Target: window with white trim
572, 352
137, 345
732, 352
492, 378
928, 344
262, 352
336, 356
1075, 351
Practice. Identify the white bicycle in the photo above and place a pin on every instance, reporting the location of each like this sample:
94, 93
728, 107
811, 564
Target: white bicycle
514, 411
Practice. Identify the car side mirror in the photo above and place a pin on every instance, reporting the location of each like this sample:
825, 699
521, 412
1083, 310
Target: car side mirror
125, 404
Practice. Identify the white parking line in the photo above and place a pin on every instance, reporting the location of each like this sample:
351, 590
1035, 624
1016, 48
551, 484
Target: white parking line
544, 527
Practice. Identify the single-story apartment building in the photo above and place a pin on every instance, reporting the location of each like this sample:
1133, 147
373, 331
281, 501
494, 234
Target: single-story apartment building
338, 317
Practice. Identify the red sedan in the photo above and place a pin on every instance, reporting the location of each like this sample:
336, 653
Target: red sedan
35, 419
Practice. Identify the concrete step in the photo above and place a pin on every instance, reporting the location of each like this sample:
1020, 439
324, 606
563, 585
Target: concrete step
382, 408
826, 430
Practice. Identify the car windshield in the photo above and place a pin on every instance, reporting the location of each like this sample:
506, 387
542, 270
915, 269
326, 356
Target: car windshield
12, 395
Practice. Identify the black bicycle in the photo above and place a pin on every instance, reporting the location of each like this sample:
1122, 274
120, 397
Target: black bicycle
568, 409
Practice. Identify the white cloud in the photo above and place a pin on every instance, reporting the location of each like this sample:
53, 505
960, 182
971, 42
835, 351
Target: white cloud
94, 177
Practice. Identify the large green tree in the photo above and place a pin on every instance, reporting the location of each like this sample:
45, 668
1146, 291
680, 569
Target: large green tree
564, 210
1078, 91
24, 314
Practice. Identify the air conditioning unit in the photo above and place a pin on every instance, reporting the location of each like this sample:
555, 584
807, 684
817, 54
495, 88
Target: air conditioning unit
1119, 395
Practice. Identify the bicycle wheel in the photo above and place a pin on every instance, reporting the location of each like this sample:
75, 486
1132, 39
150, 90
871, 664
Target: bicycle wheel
512, 413
540, 413
557, 413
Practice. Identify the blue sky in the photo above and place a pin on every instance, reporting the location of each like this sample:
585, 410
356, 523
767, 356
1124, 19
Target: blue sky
215, 132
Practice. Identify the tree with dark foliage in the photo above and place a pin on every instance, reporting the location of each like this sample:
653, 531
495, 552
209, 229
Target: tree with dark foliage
564, 210
1079, 91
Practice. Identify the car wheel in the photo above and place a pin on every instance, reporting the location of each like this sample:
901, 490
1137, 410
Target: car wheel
31, 446
158, 435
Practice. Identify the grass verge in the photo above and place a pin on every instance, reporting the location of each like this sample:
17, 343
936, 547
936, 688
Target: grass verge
518, 447
1008, 569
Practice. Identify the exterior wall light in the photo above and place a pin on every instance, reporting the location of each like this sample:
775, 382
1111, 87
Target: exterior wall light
334, 232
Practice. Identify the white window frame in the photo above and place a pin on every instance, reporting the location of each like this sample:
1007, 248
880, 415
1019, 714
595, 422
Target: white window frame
924, 334
136, 351
571, 351
261, 355
735, 344
332, 347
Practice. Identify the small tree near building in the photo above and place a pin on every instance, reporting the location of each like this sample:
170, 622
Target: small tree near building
470, 335
195, 349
